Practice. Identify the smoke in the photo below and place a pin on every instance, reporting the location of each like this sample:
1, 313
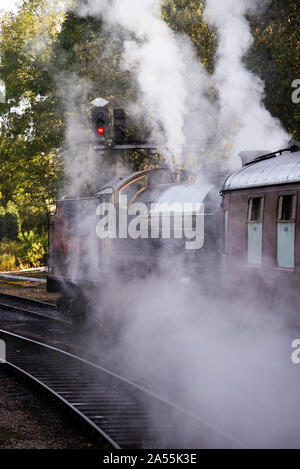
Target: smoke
174, 89
228, 363
170, 80
79, 157
85, 171
243, 117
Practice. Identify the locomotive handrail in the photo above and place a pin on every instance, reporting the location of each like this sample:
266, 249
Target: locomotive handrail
291, 149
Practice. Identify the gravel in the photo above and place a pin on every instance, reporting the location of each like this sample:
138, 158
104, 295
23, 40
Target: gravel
28, 421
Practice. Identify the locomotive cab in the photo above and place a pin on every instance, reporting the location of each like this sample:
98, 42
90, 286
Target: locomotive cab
82, 259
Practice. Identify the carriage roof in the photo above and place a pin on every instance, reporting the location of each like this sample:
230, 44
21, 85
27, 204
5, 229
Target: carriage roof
281, 169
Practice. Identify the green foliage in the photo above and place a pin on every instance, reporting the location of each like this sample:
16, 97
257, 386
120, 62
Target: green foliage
29, 250
31, 126
34, 247
87, 49
7, 262
9, 226
186, 16
275, 56
10, 255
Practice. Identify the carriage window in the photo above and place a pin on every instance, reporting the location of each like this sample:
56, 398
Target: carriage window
255, 209
225, 231
255, 230
286, 208
286, 215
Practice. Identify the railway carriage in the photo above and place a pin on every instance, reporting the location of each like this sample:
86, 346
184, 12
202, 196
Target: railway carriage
260, 241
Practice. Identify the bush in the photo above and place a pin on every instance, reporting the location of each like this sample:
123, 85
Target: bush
11, 254
34, 247
7, 262
30, 250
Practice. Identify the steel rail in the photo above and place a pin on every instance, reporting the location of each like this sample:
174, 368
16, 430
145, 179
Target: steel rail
114, 406
34, 308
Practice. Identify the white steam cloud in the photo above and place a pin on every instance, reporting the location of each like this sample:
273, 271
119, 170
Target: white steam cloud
170, 80
242, 112
174, 86
79, 157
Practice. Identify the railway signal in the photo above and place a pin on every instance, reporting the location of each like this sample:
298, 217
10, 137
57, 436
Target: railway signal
119, 126
101, 122
109, 127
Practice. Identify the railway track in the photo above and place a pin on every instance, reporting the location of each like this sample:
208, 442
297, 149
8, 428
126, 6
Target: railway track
121, 413
30, 307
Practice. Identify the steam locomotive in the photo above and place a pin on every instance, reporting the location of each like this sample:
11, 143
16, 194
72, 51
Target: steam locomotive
251, 233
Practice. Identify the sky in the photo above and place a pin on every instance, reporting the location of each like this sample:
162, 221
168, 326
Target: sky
8, 5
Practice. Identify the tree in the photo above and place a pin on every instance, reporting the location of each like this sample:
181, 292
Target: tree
275, 57
31, 126
186, 16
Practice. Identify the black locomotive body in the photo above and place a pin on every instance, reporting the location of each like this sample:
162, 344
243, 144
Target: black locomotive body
81, 260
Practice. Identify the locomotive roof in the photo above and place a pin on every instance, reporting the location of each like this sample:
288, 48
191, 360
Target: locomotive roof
282, 169
185, 193
121, 180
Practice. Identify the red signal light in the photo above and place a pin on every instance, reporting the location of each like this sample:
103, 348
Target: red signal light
100, 130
